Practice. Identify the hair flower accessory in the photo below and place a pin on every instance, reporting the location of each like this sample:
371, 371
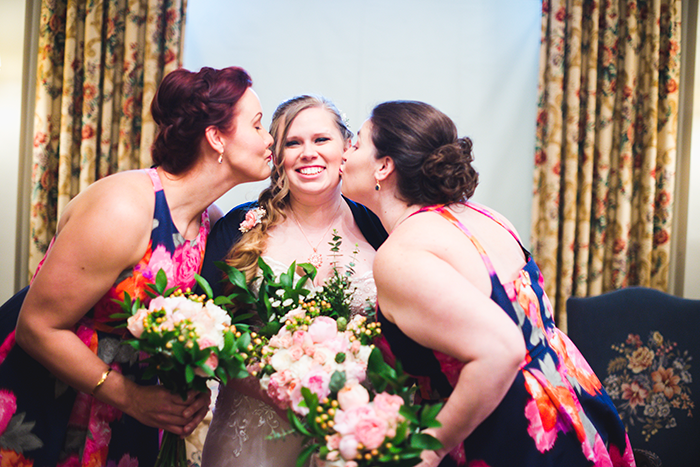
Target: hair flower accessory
252, 218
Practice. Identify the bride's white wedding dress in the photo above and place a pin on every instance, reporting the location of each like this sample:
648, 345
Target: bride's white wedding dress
239, 431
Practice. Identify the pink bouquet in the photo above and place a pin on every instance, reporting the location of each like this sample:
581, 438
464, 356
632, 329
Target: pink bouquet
188, 340
314, 352
320, 369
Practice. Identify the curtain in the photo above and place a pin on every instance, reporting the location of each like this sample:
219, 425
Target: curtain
605, 145
99, 64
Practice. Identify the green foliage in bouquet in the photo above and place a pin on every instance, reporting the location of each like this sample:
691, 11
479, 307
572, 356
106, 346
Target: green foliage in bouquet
337, 290
174, 355
276, 295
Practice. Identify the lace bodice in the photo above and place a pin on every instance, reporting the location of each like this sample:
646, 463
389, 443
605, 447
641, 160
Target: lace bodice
241, 424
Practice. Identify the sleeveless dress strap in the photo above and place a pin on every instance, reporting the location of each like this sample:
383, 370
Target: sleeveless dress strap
442, 210
153, 173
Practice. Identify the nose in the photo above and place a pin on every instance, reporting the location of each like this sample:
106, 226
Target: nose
269, 139
308, 151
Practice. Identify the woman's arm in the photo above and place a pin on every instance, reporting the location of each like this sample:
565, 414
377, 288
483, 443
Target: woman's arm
433, 304
86, 258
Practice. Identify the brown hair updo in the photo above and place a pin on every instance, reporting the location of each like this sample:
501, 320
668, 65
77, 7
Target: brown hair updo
433, 164
186, 104
275, 198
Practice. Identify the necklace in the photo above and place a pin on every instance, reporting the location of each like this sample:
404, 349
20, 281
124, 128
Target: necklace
315, 258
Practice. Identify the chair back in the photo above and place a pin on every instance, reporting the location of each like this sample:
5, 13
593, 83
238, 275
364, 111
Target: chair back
644, 345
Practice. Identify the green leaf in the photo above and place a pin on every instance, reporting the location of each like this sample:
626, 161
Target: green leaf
297, 424
264, 268
428, 414
305, 454
178, 353
189, 374
409, 414
161, 282
425, 441
204, 285
222, 300
309, 270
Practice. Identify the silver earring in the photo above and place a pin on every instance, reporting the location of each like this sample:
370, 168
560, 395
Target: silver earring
221, 158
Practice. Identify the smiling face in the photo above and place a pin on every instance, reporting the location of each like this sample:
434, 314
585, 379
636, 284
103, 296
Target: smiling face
313, 152
359, 167
247, 148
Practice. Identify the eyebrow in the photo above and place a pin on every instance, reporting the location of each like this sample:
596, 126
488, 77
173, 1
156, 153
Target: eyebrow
257, 116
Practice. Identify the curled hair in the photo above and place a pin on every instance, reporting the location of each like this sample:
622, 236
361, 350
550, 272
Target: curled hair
186, 104
275, 198
433, 164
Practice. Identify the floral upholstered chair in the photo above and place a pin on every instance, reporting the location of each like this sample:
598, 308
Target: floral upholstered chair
644, 345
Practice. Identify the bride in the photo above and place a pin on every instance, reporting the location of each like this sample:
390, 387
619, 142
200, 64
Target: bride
303, 207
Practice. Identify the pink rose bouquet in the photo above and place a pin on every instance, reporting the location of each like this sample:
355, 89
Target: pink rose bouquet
312, 351
187, 339
357, 427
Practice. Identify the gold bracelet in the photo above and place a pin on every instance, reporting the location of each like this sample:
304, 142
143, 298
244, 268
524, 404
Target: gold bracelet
102, 380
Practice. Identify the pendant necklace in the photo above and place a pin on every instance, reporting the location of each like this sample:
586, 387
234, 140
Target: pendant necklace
315, 258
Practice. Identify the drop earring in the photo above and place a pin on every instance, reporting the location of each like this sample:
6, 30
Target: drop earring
221, 158
377, 187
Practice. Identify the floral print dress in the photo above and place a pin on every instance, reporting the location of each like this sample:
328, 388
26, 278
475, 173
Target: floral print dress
43, 422
556, 413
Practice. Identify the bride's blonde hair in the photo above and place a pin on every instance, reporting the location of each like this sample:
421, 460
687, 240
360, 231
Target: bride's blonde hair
275, 198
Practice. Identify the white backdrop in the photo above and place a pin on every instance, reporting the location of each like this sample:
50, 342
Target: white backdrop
476, 60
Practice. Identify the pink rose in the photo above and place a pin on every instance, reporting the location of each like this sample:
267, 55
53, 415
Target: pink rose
348, 447
8, 407
252, 218
135, 322
355, 372
387, 405
212, 362
371, 431
353, 396
322, 329
346, 420
283, 339
159, 303
318, 382
301, 337
333, 441
187, 260
321, 355
296, 397
296, 352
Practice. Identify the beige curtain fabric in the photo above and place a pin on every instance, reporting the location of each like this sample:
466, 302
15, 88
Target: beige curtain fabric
99, 64
606, 145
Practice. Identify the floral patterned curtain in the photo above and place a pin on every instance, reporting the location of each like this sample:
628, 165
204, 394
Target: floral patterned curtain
606, 145
99, 64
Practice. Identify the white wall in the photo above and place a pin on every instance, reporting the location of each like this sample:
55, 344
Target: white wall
12, 25
476, 60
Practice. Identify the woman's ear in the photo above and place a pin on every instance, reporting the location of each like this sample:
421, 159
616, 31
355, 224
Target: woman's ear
215, 139
385, 167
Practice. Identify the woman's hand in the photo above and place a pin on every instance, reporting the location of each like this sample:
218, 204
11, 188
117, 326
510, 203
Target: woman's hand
157, 407
430, 459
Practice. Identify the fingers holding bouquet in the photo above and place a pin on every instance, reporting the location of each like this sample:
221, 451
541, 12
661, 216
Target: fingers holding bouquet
159, 407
